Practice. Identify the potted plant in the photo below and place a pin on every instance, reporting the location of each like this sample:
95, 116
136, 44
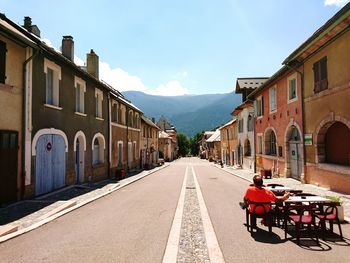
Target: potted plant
340, 208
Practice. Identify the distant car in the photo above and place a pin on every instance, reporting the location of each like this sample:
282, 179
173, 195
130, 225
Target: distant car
160, 161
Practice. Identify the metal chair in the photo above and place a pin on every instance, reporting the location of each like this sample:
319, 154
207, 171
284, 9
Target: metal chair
304, 216
260, 210
329, 212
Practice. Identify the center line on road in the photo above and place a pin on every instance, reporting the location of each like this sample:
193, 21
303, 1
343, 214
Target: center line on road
214, 250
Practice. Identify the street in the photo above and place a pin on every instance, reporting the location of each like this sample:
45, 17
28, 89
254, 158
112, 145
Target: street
133, 225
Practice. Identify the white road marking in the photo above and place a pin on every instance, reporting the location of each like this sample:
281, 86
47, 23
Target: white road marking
214, 250
170, 254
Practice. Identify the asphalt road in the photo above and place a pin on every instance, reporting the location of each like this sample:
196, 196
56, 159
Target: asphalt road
133, 224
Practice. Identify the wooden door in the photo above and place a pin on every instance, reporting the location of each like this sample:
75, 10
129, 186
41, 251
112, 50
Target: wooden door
50, 163
295, 160
8, 166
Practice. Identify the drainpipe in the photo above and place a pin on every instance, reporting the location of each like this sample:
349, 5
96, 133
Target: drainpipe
127, 139
109, 134
24, 100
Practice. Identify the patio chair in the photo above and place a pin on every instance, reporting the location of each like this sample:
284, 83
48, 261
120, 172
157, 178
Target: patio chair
329, 212
260, 210
304, 216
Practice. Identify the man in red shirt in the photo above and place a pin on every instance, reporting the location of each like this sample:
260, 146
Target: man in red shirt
258, 193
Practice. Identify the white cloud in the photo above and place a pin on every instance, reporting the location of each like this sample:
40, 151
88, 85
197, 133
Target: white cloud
120, 79
78, 61
172, 88
339, 3
185, 74
123, 81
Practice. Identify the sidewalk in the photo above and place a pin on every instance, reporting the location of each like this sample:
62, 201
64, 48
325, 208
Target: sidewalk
295, 184
24, 216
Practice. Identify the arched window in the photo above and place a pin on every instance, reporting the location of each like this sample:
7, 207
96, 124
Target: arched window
247, 148
337, 144
294, 134
131, 118
270, 143
98, 150
250, 123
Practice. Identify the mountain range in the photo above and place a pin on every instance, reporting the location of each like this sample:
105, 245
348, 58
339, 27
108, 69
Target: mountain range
188, 113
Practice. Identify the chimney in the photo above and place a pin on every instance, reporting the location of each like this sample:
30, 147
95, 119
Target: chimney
31, 28
92, 63
27, 23
153, 120
68, 47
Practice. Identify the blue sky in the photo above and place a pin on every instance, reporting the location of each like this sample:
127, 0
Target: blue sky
178, 47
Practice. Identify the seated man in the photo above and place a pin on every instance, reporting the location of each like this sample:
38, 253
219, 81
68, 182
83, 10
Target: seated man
258, 193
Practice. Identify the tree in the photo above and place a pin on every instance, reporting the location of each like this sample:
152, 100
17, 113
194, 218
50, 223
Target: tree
183, 143
194, 143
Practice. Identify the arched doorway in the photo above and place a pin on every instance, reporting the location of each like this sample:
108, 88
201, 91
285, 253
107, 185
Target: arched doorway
295, 152
50, 163
79, 148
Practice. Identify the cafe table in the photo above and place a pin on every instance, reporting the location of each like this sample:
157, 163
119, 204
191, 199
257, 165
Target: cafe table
309, 199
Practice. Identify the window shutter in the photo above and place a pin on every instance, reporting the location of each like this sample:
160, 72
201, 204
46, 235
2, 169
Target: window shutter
2, 61
262, 105
255, 109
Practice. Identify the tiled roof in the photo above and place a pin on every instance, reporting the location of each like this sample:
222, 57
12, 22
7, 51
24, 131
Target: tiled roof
149, 122
215, 137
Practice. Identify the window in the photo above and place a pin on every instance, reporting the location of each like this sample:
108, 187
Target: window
292, 88
98, 150
115, 112
240, 126
98, 103
270, 143
259, 106
53, 76
250, 123
130, 119
247, 149
272, 97
320, 75
122, 113
134, 150
2, 62
120, 153
260, 144
80, 89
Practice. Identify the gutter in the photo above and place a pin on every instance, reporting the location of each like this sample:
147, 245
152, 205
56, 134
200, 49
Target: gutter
24, 100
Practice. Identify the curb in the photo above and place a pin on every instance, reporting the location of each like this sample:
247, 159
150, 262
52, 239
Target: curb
70, 206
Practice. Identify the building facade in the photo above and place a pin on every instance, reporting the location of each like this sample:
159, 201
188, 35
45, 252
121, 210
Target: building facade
324, 62
149, 143
278, 125
15, 55
244, 113
228, 137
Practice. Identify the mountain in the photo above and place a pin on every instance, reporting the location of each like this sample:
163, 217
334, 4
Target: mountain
189, 113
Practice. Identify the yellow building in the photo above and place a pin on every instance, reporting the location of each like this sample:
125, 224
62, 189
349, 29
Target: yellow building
324, 62
228, 137
15, 66
149, 143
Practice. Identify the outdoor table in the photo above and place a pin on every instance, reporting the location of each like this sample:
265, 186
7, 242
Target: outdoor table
310, 199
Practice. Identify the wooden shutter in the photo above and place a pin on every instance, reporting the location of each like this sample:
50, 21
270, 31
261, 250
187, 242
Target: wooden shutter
262, 105
2, 61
